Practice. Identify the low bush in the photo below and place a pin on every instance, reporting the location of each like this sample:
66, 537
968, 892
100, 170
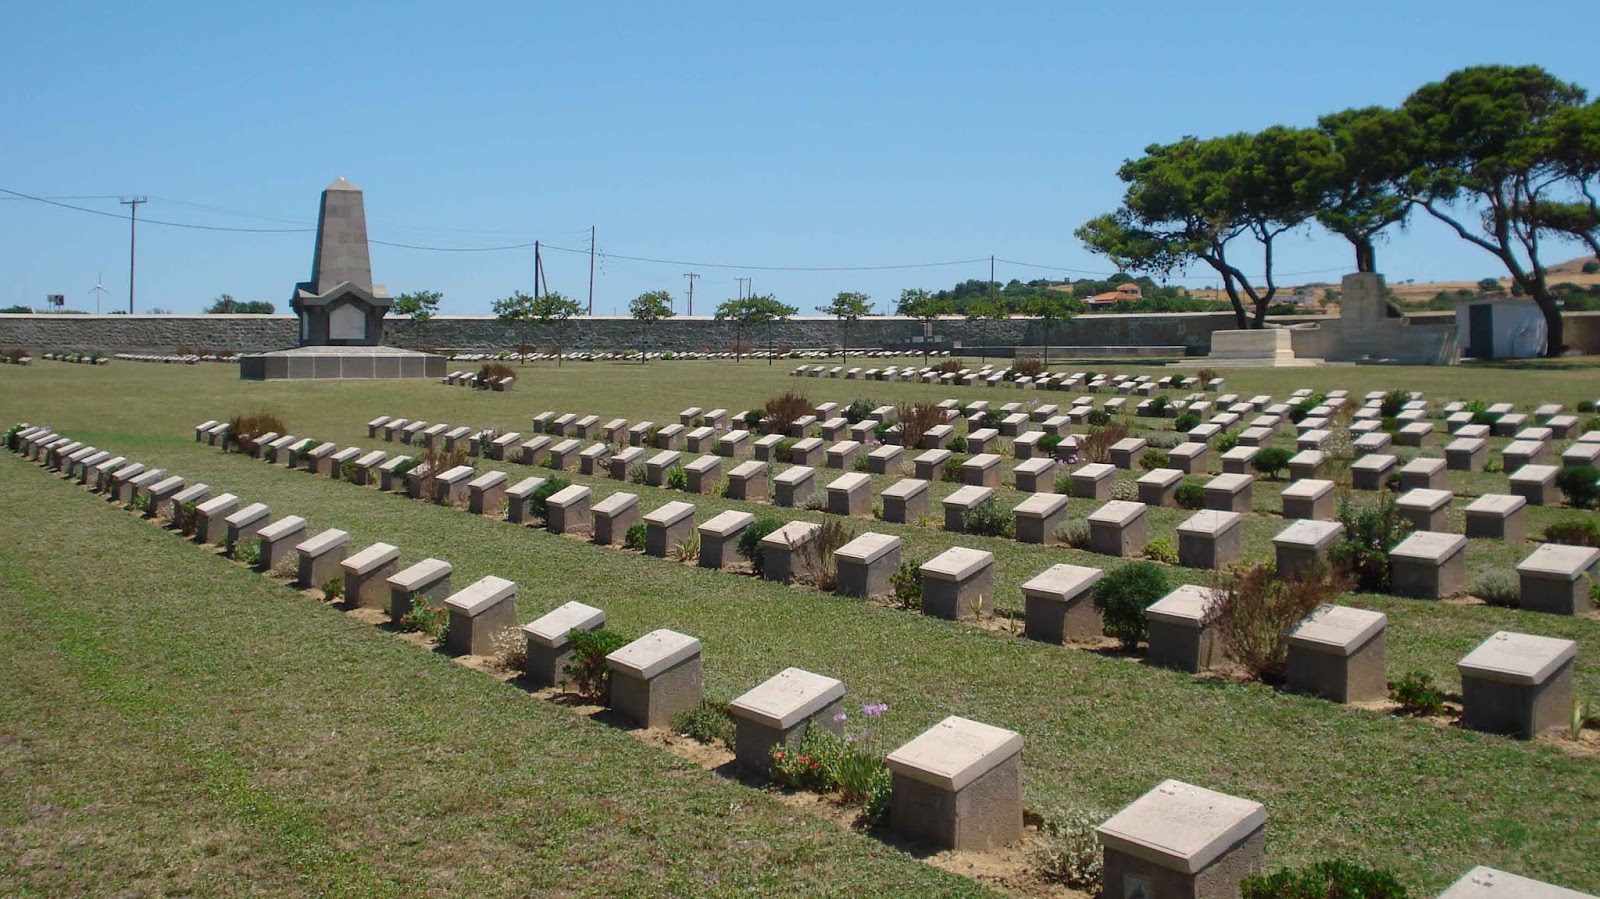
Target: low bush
907, 584
1030, 367
784, 450
988, 519
1580, 484
1074, 534
1227, 441
1323, 880
858, 410
333, 590
243, 428
635, 537
1048, 443
862, 463
915, 420
1161, 550
1154, 459
1258, 608
637, 473
951, 472
817, 560
949, 367
852, 764
1574, 532
537, 501
1393, 403
687, 549
348, 470
957, 444
750, 541
677, 478
1068, 849
247, 551
1123, 594
1585, 407
1186, 421
1096, 445
1416, 694
494, 371
588, 671
1363, 551
1499, 588
425, 618
787, 408
1099, 417
1159, 403
709, 723
1190, 495
1271, 461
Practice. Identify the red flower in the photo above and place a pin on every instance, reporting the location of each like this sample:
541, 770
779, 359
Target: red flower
777, 755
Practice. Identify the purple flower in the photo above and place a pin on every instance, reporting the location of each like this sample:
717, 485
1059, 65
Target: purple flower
840, 716
874, 709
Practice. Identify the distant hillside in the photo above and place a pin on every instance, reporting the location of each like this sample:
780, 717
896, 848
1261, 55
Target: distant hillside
1422, 292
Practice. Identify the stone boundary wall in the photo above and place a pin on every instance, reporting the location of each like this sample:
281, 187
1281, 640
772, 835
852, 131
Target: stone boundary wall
259, 333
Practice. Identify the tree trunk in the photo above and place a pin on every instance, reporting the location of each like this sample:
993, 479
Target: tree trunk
1366, 256
1552, 320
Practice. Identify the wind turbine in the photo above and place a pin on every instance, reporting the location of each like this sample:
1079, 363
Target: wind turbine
97, 290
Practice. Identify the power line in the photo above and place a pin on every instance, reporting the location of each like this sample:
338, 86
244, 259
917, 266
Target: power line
50, 202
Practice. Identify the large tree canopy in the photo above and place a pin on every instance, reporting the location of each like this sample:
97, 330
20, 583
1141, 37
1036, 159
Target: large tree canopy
1366, 151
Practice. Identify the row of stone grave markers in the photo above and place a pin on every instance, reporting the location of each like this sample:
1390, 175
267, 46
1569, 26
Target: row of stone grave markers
685, 356
175, 358
16, 357
78, 358
957, 785
989, 376
471, 379
1430, 563
1337, 652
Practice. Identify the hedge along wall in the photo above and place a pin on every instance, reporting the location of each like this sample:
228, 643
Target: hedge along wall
255, 333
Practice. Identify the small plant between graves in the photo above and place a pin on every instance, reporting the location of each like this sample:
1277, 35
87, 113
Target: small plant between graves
861, 464
510, 650
1190, 495
1393, 403
1068, 849
1074, 534
1369, 535
951, 472
635, 537
1580, 484
348, 470
1258, 608
988, 519
687, 549
11, 437
1096, 447
141, 503
426, 619
247, 551
1417, 695
1099, 418
750, 541
1186, 422
858, 410
1271, 461
1122, 596
957, 444
1574, 532
915, 420
1499, 588
187, 518
709, 724
907, 584
492, 372
817, 555
637, 473
787, 408
1227, 441
852, 764
1324, 880
1161, 550
677, 478
243, 428
588, 671
1154, 459
333, 590
538, 501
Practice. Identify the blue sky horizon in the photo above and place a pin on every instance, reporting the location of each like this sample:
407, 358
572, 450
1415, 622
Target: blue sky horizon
768, 141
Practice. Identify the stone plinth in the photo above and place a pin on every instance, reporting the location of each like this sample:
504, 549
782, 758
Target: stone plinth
851, 495
1256, 347
1429, 565
243, 524
655, 677
958, 785
278, 541
704, 473
1035, 476
562, 454
613, 516
668, 526
211, 525
1309, 499
592, 459
719, 538
866, 565
1093, 481
1535, 483
320, 558
1517, 684
1305, 544
1189, 457
567, 510
982, 440
905, 501
1160, 487
1496, 516
1423, 474
1556, 578
842, 455
367, 573
958, 583
780, 711
549, 641
885, 459
657, 466
1118, 528
810, 452
517, 496
1338, 653
1058, 606
1307, 464
427, 582
621, 461
930, 465
487, 493
1180, 841
782, 550
478, 613
1182, 635
794, 486
982, 470
1488, 883
1238, 459
451, 485
1039, 517
1210, 539
534, 450
1427, 510
1370, 471
1230, 493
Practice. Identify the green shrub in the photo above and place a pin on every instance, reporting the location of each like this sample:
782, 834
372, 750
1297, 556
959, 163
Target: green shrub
1099, 417
1271, 461
708, 723
862, 463
1068, 849
784, 451
1161, 550
635, 537
1574, 532
957, 444
677, 478
1301, 410
1499, 588
1186, 422
1393, 403
11, 437
348, 470
1258, 608
952, 469
541, 495
750, 541
988, 519
588, 671
1416, 694
1190, 495
1154, 459
1369, 534
858, 410
638, 473
1122, 596
1159, 403
333, 590
1579, 483
1480, 412
1323, 880
1227, 441
907, 584
1048, 443
428, 619
1586, 407
247, 551
1074, 534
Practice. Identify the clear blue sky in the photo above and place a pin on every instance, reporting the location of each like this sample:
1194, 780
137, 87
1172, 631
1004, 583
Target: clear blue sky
823, 134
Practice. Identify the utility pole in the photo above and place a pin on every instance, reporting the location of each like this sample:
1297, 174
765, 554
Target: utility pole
591, 270
133, 224
691, 276
992, 285
744, 283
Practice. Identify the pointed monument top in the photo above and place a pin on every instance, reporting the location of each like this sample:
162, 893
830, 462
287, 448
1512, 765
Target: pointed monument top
342, 183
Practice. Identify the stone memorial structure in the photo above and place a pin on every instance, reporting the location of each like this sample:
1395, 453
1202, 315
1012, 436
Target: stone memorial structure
340, 310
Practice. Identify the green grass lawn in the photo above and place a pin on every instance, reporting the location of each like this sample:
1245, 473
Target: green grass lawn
323, 755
